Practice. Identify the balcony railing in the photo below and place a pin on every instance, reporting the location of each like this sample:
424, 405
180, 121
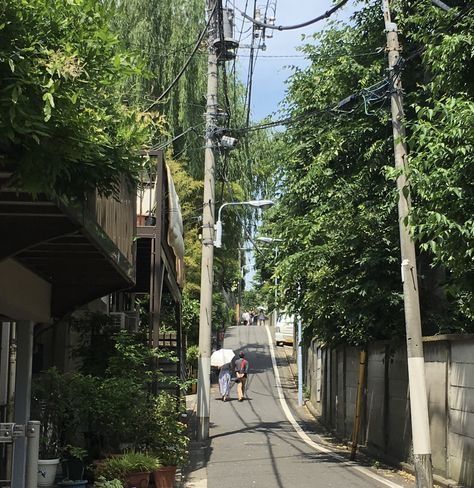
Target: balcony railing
84, 250
117, 217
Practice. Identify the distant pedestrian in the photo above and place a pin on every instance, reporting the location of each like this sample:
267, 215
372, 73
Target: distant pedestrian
241, 371
245, 318
261, 318
224, 381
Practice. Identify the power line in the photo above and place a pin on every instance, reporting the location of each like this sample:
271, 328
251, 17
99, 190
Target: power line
248, 87
163, 145
326, 15
369, 53
186, 64
373, 93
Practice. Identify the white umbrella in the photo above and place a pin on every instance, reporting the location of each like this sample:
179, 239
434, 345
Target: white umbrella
221, 357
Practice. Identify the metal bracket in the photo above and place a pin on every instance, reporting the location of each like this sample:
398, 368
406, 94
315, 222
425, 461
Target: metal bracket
19, 430
10, 431
6, 433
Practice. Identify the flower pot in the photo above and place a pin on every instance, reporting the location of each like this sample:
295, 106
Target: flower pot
164, 477
138, 480
73, 469
47, 471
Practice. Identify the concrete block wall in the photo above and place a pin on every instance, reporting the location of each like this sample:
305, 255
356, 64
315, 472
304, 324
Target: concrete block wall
460, 445
398, 413
352, 375
375, 398
436, 367
332, 377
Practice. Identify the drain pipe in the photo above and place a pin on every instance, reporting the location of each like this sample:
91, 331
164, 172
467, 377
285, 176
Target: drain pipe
11, 373
4, 361
10, 410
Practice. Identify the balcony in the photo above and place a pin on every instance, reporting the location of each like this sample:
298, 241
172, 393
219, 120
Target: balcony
56, 255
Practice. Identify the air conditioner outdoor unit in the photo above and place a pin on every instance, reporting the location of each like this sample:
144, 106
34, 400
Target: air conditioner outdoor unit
125, 320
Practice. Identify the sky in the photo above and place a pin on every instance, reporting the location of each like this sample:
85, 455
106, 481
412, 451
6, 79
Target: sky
272, 72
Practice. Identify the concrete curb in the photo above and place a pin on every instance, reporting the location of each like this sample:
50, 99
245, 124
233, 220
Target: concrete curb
194, 473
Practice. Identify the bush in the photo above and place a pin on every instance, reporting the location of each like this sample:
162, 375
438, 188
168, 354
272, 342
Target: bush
166, 434
103, 483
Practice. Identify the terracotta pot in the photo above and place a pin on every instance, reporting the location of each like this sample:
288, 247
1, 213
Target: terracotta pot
164, 477
138, 480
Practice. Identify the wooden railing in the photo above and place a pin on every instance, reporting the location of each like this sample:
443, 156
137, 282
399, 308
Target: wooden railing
117, 217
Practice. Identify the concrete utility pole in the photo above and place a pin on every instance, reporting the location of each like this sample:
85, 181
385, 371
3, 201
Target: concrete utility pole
207, 274
239, 289
416, 362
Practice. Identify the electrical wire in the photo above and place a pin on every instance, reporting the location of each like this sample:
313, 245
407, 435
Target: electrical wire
247, 232
374, 92
369, 94
186, 64
369, 53
326, 15
248, 85
163, 145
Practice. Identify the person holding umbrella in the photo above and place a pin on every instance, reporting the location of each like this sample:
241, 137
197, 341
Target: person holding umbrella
222, 359
224, 381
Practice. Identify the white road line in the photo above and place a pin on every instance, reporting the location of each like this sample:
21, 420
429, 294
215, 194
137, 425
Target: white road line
304, 436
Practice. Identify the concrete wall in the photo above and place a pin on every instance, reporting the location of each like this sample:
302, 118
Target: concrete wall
460, 445
23, 294
331, 377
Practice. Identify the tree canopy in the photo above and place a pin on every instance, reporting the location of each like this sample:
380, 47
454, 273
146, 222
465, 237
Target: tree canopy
65, 126
339, 259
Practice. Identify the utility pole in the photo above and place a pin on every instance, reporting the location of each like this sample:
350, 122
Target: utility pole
239, 290
275, 292
207, 274
416, 363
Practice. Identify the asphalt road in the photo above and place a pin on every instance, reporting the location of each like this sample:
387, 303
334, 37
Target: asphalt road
254, 444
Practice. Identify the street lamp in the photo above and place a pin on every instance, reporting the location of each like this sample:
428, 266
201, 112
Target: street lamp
251, 203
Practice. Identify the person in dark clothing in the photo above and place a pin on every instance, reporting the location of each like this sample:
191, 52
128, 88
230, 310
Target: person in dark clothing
241, 371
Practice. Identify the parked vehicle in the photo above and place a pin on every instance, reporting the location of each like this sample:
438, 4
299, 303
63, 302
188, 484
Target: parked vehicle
284, 330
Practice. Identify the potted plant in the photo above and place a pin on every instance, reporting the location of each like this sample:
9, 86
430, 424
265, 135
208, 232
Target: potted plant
49, 406
167, 440
72, 462
103, 483
132, 468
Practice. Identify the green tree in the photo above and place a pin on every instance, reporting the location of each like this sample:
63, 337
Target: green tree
164, 33
339, 259
64, 127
